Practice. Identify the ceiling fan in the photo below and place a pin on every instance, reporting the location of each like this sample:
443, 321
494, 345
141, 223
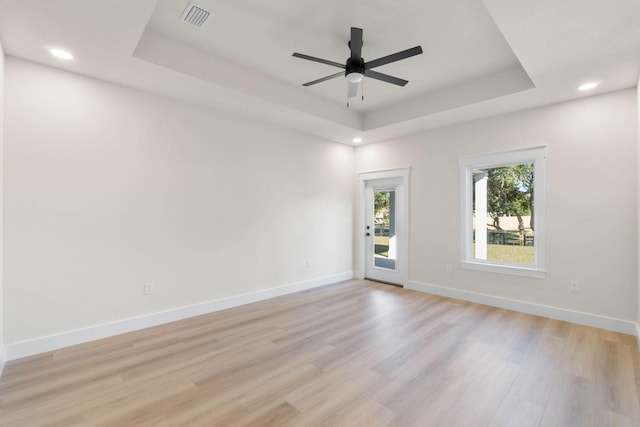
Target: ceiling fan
355, 69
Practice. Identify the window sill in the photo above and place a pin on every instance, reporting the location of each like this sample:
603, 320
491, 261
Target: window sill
505, 269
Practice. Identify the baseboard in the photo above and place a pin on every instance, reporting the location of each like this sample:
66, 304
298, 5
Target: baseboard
67, 339
2, 354
581, 318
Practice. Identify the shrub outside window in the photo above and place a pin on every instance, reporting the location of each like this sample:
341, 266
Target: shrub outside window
502, 215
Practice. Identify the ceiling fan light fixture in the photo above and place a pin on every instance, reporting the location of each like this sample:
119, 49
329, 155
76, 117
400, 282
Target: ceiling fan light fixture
354, 77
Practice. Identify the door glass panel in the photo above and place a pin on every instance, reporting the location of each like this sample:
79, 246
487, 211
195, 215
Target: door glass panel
384, 240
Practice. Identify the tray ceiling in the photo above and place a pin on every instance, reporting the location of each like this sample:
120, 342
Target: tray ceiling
480, 57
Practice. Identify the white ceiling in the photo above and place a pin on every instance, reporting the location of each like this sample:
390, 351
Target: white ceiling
480, 57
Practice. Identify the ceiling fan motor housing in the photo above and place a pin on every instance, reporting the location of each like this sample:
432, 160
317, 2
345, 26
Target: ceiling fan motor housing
354, 66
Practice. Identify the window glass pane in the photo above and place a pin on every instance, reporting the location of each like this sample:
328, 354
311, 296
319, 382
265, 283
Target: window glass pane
503, 205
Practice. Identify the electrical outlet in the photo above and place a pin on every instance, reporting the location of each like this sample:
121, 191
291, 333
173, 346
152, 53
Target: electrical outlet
448, 268
148, 288
574, 286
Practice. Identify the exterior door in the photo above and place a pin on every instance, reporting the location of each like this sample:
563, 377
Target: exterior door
384, 223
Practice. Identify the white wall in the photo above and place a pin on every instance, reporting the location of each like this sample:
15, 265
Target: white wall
1, 210
591, 201
107, 188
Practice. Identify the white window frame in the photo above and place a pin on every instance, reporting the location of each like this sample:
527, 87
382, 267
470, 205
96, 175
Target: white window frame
537, 156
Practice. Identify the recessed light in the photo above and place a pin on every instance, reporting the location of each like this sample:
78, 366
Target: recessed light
357, 140
589, 86
60, 53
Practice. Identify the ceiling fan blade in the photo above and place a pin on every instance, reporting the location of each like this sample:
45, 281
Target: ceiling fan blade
356, 43
324, 79
385, 78
320, 60
393, 57
353, 89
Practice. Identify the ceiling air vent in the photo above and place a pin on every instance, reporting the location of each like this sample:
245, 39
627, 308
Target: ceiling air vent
195, 15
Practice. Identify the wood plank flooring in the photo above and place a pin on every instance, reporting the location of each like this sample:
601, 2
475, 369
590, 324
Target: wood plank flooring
353, 354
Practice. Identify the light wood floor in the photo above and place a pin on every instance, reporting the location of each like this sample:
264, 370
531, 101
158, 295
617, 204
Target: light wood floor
352, 354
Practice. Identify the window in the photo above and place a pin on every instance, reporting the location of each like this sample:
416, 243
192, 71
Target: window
502, 212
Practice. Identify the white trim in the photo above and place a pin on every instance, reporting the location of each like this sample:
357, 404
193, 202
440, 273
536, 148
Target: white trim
501, 158
537, 156
402, 215
359, 240
92, 333
385, 174
579, 317
2, 359
516, 270
638, 335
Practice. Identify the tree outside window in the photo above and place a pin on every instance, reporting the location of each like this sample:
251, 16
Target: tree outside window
509, 198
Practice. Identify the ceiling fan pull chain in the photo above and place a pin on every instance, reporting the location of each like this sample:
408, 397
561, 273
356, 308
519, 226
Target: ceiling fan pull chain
362, 92
347, 94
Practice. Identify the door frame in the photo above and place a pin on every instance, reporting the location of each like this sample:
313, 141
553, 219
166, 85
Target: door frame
402, 219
